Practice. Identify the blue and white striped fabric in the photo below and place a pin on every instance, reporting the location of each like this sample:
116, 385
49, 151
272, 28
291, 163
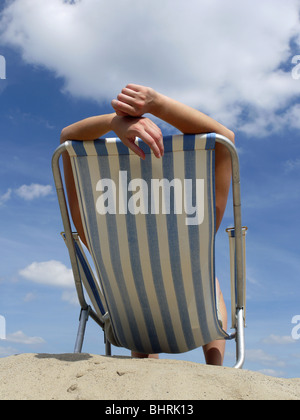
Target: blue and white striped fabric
153, 247
88, 279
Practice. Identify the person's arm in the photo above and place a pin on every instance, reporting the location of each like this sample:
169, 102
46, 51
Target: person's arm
126, 128
88, 129
136, 100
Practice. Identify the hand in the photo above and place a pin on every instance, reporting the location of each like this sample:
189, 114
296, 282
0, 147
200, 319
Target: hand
134, 100
128, 128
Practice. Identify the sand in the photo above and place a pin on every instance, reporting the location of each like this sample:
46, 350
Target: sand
85, 377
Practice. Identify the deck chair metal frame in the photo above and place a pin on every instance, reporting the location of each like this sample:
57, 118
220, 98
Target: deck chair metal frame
84, 277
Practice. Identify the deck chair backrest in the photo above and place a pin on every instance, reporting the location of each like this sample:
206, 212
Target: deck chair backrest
150, 228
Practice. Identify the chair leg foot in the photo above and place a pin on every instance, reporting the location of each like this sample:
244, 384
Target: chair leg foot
240, 340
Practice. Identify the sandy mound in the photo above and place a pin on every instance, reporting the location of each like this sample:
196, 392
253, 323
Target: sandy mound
85, 376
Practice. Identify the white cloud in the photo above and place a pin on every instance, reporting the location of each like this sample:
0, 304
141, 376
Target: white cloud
223, 57
292, 165
278, 340
52, 273
293, 116
70, 296
27, 192
30, 192
5, 197
260, 356
21, 338
29, 297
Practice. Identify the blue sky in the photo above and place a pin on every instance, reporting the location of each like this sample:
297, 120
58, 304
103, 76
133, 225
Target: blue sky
232, 60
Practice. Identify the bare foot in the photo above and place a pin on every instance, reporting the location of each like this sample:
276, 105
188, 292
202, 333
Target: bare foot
144, 356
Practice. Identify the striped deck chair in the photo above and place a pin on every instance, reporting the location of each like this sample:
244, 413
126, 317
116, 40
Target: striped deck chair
150, 229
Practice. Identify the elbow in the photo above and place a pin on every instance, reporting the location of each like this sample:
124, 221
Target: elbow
64, 135
231, 136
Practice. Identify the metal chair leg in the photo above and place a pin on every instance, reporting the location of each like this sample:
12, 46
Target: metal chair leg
84, 316
107, 348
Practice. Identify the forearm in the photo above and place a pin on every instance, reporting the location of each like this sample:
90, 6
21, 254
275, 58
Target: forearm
136, 100
191, 121
89, 128
186, 119
126, 128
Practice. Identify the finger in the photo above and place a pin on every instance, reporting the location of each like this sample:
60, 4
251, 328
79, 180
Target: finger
129, 92
155, 132
135, 148
122, 108
127, 99
158, 141
136, 101
150, 141
118, 112
134, 87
